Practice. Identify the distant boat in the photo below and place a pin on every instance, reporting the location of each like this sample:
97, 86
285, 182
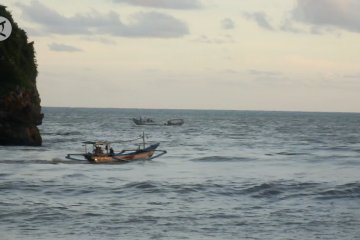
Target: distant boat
102, 152
144, 121
150, 121
175, 122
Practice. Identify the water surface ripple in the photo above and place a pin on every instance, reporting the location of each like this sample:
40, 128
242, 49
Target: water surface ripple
227, 175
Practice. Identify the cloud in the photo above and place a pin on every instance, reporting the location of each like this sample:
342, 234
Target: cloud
227, 24
222, 39
267, 77
262, 73
53, 22
102, 40
153, 24
63, 48
260, 18
288, 26
336, 13
169, 4
143, 24
355, 76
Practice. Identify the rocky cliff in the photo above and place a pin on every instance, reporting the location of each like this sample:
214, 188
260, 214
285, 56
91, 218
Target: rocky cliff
20, 110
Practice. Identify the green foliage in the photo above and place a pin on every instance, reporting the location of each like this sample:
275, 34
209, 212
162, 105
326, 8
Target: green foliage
17, 59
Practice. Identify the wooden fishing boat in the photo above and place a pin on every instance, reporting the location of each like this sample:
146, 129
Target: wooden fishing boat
150, 121
102, 152
144, 121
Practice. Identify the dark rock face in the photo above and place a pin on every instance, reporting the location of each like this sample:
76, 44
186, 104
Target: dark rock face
20, 110
19, 116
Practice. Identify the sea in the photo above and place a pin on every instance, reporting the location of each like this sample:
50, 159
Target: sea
226, 175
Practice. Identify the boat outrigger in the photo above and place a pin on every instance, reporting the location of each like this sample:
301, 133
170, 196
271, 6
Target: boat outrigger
102, 152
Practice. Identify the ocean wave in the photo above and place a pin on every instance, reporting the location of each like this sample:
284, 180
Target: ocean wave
291, 153
63, 133
142, 185
40, 161
281, 189
64, 161
19, 186
164, 187
75, 175
28, 161
289, 189
56, 141
349, 190
352, 162
278, 189
272, 190
4, 175
221, 159
145, 187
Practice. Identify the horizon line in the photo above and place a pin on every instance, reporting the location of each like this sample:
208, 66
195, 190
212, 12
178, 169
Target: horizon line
202, 109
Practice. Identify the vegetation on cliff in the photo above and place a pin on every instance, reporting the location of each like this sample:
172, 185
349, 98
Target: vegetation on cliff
17, 59
20, 110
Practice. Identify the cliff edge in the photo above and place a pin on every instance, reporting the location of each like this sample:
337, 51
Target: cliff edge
20, 110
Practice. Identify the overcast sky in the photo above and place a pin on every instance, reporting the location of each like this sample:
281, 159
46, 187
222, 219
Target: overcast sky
299, 55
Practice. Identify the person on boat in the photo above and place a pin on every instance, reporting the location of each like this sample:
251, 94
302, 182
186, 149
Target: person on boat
98, 150
112, 152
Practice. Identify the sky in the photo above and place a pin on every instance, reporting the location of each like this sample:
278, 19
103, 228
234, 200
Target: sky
278, 55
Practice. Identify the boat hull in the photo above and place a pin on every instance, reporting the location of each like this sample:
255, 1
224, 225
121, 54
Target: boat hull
144, 121
138, 156
174, 122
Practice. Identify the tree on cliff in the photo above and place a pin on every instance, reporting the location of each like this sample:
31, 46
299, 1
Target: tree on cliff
20, 110
17, 59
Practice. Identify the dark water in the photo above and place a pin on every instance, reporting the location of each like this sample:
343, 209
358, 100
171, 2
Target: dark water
227, 175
